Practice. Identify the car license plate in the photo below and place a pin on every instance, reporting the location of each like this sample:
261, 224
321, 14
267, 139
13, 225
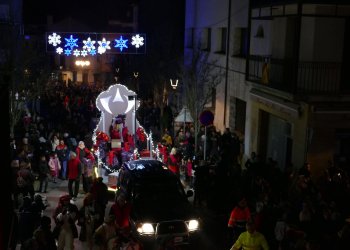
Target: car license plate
178, 239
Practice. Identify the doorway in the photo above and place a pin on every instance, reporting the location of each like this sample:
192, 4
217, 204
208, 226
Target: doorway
275, 139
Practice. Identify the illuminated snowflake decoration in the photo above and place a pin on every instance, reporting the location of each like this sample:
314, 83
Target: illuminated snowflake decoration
83, 53
89, 44
92, 52
54, 39
71, 42
103, 46
76, 52
137, 41
67, 52
101, 50
59, 50
121, 43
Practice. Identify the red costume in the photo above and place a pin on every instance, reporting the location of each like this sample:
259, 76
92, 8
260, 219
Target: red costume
122, 214
174, 164
115, 133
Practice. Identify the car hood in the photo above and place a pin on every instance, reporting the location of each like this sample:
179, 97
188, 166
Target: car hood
155, 213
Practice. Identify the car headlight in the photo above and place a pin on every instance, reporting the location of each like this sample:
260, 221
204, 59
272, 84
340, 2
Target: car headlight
193, 225
145, 228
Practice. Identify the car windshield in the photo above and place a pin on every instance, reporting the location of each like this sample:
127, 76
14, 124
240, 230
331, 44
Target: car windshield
164, 193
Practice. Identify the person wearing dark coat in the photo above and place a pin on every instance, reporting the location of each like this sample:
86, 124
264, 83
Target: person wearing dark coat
26, 221
201, 177
44, 172
43, 235
99, 192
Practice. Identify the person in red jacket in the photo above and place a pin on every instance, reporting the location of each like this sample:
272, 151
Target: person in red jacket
87, 159
174, 162
121, 209
74, 172
239, 217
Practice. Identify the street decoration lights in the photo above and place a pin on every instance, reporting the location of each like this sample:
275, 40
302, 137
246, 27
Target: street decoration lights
82, 63
174, 84
95, 44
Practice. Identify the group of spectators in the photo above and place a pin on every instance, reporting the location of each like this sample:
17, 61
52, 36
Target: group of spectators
288, 206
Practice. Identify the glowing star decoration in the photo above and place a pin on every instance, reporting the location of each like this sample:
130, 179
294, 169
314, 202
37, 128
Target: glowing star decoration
67, 52
54, 39
113, 102
59, 50
89, 44
121, 43
71, 42
76, 52
137, 41
83, 53
92, 52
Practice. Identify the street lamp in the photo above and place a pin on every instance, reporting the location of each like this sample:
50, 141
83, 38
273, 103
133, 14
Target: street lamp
136, 75
82, 63
174, 84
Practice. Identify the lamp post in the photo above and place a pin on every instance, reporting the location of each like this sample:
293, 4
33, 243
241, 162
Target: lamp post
174, 84
136, 75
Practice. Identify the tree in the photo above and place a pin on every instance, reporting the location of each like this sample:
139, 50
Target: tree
201, 75
28, 77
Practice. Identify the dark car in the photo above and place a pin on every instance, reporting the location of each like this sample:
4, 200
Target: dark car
161, 213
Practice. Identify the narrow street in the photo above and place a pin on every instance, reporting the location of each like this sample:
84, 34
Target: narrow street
212, 236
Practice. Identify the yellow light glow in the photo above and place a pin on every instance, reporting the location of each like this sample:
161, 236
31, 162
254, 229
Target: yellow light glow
82, 63
112, 189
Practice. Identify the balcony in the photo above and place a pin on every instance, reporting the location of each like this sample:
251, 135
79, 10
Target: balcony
302, 78
264, 3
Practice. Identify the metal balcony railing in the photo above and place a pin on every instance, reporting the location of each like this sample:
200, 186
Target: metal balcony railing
310, 78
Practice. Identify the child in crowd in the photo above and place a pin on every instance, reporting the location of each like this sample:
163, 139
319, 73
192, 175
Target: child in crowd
55, 166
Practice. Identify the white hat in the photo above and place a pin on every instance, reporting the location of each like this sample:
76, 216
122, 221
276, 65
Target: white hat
42, 139
25, 140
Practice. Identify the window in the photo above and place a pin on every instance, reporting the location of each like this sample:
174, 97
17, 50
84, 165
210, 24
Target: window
240, 42
221, 41
206, 39
189, 38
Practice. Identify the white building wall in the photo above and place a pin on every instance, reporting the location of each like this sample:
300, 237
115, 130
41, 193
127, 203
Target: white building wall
261, 46
201, 14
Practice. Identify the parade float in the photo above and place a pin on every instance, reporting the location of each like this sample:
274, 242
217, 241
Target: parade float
118, 136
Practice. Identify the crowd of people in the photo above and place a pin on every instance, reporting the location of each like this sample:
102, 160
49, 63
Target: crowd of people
287, 206
52, 144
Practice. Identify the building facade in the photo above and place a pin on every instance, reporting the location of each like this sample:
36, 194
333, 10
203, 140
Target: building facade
286, 90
